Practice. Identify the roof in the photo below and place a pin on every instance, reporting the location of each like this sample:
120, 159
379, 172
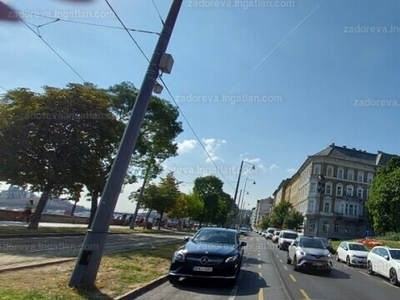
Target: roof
353, 154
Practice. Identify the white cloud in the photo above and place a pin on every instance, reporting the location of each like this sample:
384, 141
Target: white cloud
257, 162
212, 145
291, 170
273, 166
186, 146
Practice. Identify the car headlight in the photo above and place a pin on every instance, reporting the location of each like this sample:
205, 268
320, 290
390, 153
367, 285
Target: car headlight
178, 256
303, 253
232, 259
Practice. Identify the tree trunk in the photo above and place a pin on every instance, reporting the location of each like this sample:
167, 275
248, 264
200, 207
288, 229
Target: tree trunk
93, 207
159, 223
73, 208
34, 224
148, 216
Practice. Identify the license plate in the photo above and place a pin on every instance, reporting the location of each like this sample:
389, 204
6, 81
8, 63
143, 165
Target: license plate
318, 264
203, 269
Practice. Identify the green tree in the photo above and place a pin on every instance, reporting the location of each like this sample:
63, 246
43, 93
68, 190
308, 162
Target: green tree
186, 206
293, 220
279, 213
383, 205
265, 222
52, 141
209, 191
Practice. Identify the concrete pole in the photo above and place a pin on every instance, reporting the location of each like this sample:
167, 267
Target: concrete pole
88, 262
231, 219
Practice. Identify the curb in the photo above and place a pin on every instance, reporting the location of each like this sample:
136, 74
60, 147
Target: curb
144, 289
35, 264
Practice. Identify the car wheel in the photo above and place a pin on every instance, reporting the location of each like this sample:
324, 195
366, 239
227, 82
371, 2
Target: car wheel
173, 279
288, 260
294, 263
393, 277
369, 268
348, 261
337, 258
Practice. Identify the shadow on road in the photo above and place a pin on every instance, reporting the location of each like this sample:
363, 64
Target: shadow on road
335, 273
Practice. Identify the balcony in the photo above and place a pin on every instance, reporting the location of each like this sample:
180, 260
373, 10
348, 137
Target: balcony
347, 217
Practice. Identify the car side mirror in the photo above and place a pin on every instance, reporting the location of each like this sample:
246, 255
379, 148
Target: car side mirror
186, 238
386, 257
243, 244
345, 248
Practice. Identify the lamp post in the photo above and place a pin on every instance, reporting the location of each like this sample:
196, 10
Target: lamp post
230, 219
244, 192
321, 191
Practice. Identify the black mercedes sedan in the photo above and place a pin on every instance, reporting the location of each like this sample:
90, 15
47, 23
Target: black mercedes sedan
211, 253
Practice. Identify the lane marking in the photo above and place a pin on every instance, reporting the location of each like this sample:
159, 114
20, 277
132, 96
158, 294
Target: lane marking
364, 273
277, 255
233, 293
303, 292
285, 268
281, 260
259, 266
292, 277
260, 294
388, 283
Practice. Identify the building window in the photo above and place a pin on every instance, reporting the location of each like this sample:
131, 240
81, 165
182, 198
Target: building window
367, 195
325, 227
329, 171
360, 193
336, 228
311, 205
312, 226
349, 191
327, 207
351, 209
357, 229
339, 190
313, 187
328, 188
350, 175
370, 177
342, 208
317, 169
340, 173
347, 209
360, 176
347, 229
356, 210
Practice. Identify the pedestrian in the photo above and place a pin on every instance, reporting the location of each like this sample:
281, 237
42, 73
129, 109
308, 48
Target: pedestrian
28, 211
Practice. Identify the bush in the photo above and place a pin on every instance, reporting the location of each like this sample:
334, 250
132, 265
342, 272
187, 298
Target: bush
391, 236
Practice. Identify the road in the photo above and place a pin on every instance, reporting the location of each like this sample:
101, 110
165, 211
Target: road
17, 251
266, 275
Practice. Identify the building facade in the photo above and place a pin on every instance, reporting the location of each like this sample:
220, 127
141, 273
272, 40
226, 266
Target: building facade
331, 188
262, 210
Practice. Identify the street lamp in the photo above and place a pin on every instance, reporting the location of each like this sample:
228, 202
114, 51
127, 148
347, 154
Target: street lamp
244, 192
237, 189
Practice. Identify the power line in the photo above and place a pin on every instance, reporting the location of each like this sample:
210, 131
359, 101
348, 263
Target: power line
126, 29
158, 12
196, 136
3, 88
87, 23
169, 92
52, 49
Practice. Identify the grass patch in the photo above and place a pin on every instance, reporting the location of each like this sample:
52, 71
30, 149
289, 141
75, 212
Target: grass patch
118, 274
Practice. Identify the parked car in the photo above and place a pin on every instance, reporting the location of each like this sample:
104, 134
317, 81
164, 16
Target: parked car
352, 253
243, 231
309, 252
275, 237
270, 233
327, 244
286, 237
211, 253
386, 262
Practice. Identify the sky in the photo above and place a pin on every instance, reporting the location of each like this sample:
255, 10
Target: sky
265, 82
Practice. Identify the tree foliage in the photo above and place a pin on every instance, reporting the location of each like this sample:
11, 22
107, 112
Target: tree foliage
284, 216
384, 202
293, 220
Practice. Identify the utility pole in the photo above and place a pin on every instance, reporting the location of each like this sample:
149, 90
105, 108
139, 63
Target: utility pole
88, 262
230, 219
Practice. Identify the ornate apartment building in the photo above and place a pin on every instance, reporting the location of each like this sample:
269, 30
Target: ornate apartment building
331, 188
262, 210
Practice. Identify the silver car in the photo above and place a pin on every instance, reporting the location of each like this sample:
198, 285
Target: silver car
309, 252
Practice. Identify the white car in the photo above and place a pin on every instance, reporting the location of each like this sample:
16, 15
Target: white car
269, 233
286, 237
352, 253
386, 262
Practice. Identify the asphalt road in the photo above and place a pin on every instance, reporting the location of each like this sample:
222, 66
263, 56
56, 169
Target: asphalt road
266, 275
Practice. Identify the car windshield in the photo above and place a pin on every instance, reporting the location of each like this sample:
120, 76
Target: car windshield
243, 229
289, 235
325, 241
215, 237
357, 247
270, 231
276, 233
395, 254
312, 243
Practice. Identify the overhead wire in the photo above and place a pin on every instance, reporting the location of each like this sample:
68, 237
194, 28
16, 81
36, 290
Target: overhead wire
170, 94
52, 49
158, 12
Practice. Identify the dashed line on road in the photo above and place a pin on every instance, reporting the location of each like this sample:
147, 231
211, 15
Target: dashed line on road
259, 266
292, 277
233, 293
281, 260
303, 292
285, 268
277, 255
260, 294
